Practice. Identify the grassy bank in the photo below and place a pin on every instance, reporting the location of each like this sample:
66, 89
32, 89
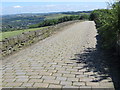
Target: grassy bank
14, 33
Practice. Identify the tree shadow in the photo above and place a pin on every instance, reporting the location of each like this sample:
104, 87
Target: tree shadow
102, 62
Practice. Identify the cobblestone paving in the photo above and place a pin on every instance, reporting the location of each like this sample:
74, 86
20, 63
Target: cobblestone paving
49, 64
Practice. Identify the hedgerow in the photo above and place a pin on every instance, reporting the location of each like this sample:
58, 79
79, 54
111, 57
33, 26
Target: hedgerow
108, 24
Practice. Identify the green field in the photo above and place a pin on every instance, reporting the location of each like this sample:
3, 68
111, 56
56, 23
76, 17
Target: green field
55, 16
4, 35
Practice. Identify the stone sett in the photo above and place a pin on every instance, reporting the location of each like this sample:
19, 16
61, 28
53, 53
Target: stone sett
53, 62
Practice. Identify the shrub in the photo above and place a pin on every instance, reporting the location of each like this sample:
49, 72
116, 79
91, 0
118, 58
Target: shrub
107, 22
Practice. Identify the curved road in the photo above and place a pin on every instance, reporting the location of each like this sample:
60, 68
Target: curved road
53, 62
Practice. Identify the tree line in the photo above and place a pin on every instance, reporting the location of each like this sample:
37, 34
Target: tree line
108, 24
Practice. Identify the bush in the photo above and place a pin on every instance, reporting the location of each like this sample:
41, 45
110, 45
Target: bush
107, 22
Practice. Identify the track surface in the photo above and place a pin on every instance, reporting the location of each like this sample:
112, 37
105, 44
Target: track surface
59, 61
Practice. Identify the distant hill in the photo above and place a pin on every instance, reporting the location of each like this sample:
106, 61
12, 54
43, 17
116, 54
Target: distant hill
23, 21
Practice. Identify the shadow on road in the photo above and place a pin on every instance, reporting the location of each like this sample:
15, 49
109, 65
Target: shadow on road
101, 62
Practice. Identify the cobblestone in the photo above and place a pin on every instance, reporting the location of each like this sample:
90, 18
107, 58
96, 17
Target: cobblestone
48, 77
79, 83
66, 83
55, 86
52, 81
61, 78
13, 84
35, 80
30, 85
52, 62
41, 85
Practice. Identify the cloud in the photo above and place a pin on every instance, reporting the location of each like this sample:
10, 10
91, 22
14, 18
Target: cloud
17, 6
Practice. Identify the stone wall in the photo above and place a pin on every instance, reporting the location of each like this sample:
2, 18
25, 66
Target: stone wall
16, 43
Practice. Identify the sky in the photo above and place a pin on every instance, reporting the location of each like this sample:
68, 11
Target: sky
46, 6
55, 0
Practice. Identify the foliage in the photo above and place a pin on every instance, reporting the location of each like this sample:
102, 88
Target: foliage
77, 13
84, 17
107, 22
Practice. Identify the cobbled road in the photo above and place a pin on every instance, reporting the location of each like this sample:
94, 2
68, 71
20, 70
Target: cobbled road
50, 63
